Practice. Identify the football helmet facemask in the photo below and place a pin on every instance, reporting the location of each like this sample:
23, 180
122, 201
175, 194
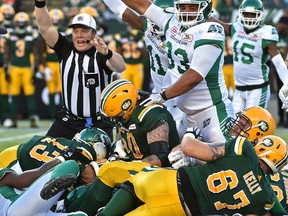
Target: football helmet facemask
97, 138
195, 17
118, 100
57, 16
273, 151
252, 123
21, 21
251, 13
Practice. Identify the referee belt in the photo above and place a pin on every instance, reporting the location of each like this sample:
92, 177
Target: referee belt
252, 87
71, 116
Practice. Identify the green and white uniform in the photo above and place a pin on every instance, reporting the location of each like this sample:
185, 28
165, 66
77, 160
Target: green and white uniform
29, 202
250, 69
210, 94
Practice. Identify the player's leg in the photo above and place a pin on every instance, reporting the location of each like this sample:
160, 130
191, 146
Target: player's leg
258, 97
31, 202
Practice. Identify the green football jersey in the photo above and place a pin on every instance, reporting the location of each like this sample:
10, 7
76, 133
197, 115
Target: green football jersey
279, 183
41, 149
232, 184
22, 48
143, 120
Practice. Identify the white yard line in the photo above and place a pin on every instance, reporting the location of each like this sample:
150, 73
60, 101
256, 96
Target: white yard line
7, 139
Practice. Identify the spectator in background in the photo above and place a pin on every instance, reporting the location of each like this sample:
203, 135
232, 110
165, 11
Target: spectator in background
86, 66
282, 28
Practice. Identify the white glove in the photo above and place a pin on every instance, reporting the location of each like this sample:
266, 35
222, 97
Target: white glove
179, 159
195, 131
47, 73
153, 98
119, 152
283, 95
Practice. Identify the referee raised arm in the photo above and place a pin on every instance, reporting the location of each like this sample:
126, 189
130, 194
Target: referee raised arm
86, 66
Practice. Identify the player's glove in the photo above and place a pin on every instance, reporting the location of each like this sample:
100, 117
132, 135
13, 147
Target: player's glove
179, 159
195, 131
283, 95
156, 98
77, 155
118, 153
48, 73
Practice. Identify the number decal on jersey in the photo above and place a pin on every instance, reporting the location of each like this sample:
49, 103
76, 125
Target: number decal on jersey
220, 181
38, 151
184, 63
131, 146
246, 58
20, 52
277, 189
156, 57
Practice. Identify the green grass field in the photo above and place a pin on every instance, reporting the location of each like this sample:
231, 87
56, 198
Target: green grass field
15, 136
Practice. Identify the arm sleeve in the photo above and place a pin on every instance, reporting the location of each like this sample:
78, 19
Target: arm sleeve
116, 6
203, 63
281, 68
157, 15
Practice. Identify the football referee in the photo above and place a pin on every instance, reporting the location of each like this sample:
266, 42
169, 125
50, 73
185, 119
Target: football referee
86, 66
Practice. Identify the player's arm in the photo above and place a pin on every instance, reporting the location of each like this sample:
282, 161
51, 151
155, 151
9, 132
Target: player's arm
26, 178
203, 151
44, 23
126, 14
200, 66
157, 139
278, 62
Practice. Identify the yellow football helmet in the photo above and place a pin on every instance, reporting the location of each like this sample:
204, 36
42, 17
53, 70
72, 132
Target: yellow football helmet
21, 21
89, 10
57, 16
8, 11
252, 123
118, 100
273, 151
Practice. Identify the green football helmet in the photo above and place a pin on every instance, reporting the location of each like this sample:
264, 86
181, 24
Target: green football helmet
97, 138
189, 19
251, 13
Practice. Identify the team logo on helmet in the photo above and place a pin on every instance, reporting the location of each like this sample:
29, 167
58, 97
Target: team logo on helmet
267, 142
263, 126
126, 104
80, 18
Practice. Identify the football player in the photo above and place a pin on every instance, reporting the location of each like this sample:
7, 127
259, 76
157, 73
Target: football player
233, 181
17, 200
253, 43
155, 44
197, 80
92, 143
19, 47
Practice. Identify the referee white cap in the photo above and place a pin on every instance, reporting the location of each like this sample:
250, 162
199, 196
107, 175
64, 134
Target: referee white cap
85, 20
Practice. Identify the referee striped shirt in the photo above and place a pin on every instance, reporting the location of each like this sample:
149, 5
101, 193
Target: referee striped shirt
84, 75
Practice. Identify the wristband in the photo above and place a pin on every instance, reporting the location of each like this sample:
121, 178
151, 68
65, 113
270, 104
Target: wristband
40, 4
61, 158
109, 54
95, 166
163, 95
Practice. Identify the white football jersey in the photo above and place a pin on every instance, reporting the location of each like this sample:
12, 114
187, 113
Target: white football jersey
158, 58
250, 55
180, 46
